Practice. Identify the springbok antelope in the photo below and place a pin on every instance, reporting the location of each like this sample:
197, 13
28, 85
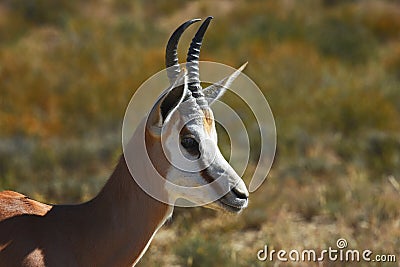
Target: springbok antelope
116, 227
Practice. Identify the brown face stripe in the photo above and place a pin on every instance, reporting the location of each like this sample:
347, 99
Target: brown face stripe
206, 176
209, 179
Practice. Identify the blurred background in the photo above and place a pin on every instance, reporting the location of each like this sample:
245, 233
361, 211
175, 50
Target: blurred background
330, 70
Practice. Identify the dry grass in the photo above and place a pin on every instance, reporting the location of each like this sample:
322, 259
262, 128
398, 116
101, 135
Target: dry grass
330, 71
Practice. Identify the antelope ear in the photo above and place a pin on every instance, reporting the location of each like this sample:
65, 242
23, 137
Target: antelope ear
168, 102
216, 90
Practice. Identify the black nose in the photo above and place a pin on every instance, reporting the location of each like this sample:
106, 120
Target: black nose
240, 194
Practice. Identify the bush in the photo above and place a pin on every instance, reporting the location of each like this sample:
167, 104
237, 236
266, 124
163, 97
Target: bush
382, 154
382, 18
391, 61
351, 111
347, 41
42, 11
203, 251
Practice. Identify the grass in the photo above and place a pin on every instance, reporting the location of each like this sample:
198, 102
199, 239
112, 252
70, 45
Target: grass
329, 69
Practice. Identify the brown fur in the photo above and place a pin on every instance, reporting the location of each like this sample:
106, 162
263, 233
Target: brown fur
13, 204
110, 230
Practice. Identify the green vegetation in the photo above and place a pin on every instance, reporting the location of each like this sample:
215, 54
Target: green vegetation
329, 69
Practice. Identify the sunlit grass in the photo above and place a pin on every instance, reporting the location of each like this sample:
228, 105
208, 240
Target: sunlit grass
329, 69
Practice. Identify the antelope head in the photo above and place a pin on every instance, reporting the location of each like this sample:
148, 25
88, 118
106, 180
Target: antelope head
182, 123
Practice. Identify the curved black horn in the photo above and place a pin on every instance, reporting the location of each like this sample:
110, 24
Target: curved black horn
171, 56
193, 59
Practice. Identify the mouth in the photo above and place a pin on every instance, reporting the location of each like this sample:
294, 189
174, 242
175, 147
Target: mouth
231, 203
235, 200
231, 208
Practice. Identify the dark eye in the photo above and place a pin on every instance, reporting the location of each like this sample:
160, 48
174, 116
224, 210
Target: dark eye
190, 144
